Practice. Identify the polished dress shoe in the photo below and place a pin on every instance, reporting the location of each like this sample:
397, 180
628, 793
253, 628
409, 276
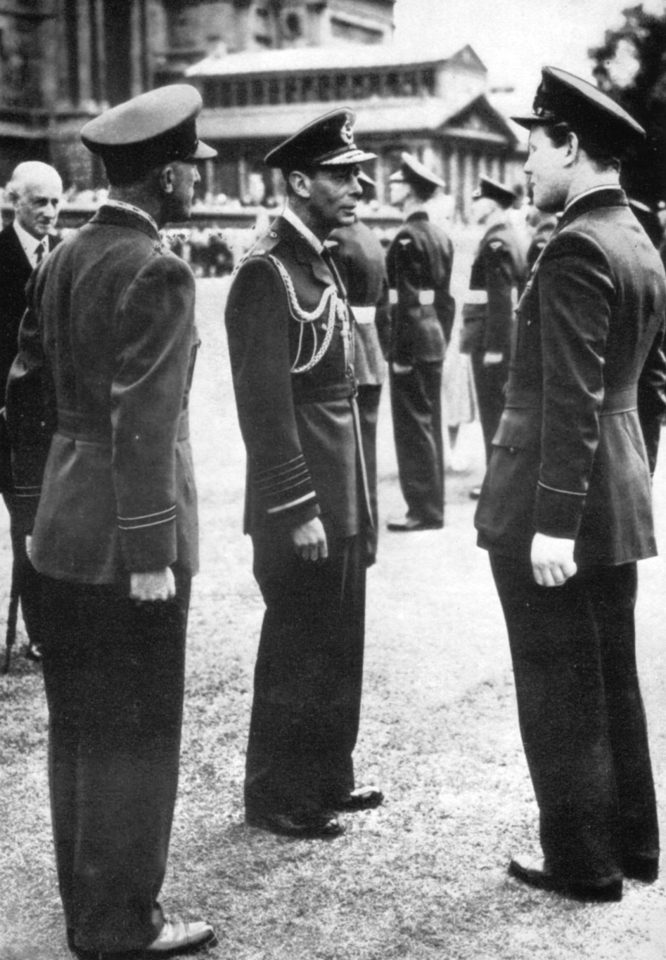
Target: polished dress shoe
33, 652
410, 524
640, 867
605, 890
174, 939
319, 825
363, 798
178, 937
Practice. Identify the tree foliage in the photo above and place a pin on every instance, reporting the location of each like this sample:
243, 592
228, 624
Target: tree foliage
630, 65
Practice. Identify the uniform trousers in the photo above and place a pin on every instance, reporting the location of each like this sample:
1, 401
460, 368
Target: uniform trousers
114, 678
581, 716
489, 383
416, 401
25, 578
368, 398
308, 676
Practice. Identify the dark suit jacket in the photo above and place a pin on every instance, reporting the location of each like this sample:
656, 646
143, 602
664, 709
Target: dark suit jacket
569, 458
361, 261
15, 270
304, 457
106, 356
420, 258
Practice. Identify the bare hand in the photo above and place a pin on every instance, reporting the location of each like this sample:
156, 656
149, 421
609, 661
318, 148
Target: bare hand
491, 358
157, 585
552, 560
309, 540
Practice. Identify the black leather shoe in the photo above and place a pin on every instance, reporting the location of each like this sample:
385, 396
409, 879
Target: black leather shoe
363, 798
323, 825
542, 879
409, 524
638, 867
33, 652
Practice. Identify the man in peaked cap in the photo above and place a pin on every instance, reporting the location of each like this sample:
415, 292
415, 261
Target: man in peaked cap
109, 331
565, 511
307, 510
419, 262
496, 280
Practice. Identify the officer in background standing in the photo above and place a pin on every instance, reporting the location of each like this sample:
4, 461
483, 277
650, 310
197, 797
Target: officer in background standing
566, 507
496, 280
419, 263
291, 349
361, 261
35, 192
101, 383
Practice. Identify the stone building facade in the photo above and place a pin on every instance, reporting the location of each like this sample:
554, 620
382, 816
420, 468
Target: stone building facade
264, 67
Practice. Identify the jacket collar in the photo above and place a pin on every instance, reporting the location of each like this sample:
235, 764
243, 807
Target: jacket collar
593, 200
303, 251
124, 216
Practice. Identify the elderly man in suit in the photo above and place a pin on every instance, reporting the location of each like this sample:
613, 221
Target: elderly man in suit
565, 510
291, 348
106, 353
419, 263
35, 193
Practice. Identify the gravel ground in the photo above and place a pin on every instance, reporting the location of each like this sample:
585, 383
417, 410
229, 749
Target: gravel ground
423, 876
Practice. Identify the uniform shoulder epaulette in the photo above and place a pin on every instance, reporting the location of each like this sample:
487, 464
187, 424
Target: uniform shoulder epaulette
264, 244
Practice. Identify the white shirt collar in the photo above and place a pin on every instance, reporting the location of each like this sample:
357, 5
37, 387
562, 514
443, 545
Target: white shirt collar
29, 243
305, 232
123, 205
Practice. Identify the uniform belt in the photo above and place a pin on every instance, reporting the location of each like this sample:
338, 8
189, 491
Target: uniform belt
364, 315
615, 401
323, 394
74, 427
426, 297
476, 297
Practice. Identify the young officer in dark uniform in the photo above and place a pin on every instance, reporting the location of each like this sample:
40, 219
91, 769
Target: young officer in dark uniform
109, 338
496, 281
361, 261
35, 192
291, 349
419, 263
565, 509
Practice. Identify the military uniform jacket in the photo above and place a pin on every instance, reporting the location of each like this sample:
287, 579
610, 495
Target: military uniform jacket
569, 459
419, 262
101, 381
496, 281
361, 262
290, 346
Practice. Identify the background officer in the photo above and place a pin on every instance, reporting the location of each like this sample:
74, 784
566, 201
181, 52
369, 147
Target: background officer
361, 262
497, 277
106, 355
419, 262
291, 349
35, 193
565, 509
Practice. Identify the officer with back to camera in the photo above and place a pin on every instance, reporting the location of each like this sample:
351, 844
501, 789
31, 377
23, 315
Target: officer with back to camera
100, 384
419, 263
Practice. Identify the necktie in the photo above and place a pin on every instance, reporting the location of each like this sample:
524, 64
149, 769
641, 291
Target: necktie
39, 253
